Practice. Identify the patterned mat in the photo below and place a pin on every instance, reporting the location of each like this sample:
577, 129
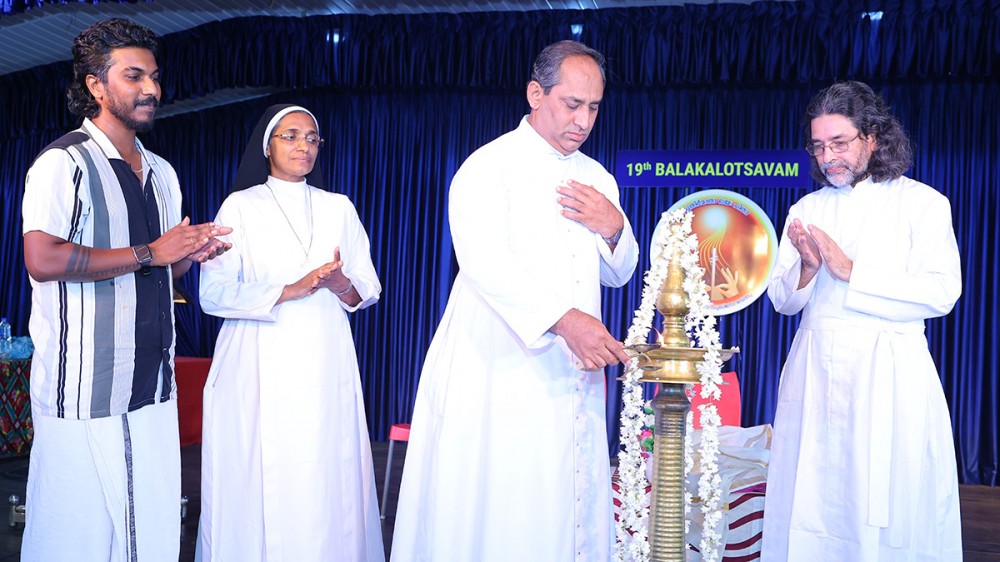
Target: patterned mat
15, 408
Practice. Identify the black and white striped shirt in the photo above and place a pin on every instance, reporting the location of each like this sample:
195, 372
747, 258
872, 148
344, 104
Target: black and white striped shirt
101, 348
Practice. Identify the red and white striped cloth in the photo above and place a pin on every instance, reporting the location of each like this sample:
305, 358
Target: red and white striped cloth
743, 470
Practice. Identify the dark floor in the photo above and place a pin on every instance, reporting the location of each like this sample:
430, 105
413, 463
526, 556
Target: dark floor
980, 506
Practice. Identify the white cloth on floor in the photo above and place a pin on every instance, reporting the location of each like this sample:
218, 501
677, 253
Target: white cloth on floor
742, 464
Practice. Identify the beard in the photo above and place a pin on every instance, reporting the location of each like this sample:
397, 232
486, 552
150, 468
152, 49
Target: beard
851, 175
121, 110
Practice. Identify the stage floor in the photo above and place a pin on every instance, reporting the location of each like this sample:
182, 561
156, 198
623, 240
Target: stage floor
980, 506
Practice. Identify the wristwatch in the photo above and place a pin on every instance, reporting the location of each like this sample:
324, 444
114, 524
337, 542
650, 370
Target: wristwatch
142, 255
614, 239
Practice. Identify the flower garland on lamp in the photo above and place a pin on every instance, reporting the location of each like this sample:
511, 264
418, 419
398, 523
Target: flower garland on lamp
632, 526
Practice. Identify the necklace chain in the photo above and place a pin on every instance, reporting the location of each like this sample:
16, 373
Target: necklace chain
139, 171
305, 249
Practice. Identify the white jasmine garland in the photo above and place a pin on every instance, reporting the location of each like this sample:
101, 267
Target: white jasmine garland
632, 526
688, 468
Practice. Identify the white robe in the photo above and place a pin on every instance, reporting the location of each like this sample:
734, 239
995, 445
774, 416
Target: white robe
863, 461
508, 456
286, 460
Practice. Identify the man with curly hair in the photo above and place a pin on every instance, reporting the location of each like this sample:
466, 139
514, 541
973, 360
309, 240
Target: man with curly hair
103, 241
862, 464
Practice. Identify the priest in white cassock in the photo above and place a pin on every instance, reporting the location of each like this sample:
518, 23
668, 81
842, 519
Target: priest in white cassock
286, 459
508, 456
862, 464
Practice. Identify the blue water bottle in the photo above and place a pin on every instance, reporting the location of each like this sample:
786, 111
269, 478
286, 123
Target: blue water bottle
5, 340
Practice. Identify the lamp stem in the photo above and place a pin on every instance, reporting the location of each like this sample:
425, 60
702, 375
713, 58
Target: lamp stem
666, 520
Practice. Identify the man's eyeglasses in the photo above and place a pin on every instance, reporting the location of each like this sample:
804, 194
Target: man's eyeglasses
837, 146
294, 138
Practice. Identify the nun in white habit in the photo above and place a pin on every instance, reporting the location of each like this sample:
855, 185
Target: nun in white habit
286, 460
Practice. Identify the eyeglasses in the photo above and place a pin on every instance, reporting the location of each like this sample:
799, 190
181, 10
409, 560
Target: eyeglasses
837, 146
294, 138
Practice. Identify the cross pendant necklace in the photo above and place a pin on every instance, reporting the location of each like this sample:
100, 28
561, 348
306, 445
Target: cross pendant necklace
305, 249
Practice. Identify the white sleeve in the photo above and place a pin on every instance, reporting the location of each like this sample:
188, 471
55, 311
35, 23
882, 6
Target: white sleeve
55, 201
355, 252
528, 301
782, 288
617, 267
223, 289
925, 284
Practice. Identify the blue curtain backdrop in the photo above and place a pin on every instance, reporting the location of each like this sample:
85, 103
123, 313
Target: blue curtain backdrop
403, 100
